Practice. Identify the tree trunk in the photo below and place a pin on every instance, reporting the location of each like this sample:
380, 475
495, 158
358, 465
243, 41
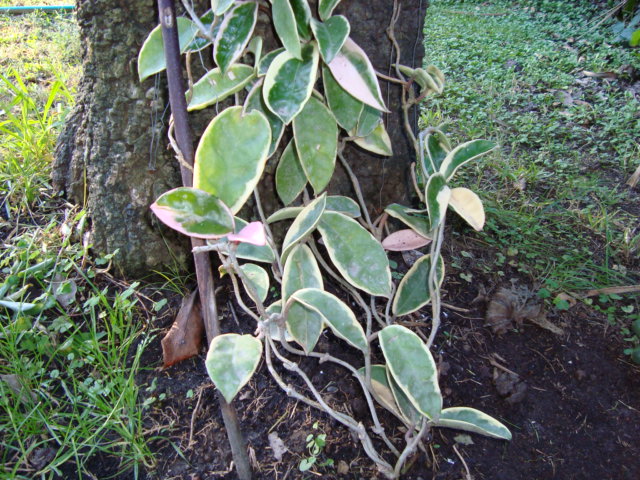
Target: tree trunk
107, 158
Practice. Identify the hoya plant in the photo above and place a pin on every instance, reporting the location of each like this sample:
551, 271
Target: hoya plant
319, 91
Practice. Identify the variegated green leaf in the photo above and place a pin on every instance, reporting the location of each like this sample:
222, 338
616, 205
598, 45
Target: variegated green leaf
409, 413
472, 420
413, 368
335, 203
381, 390
234, 34
414, 291
265, 62
255, 47
215, 86
199, 43
469, 206
290, 177
304, 224
436, 146
151, 57
284, 22
368, 121
345, 108
221, 6
357, 255
275, 332
326, 7
352, 69
464, 153
289, 82
336, 315
304, 324
414, 219
330, 35
377, 142
316, 140
259, 279
437, 196
302, 12
248, 251
300, 271
231, 362
194, 213
231, 155
255, 101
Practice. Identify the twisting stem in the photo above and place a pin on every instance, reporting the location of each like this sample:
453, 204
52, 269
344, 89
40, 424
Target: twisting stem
434, 282
411, 447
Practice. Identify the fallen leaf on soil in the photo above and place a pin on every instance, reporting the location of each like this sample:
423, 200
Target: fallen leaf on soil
633, 180
605, 75
343, 467
515, 305
612, 290
404, 240
510, 386
277, 445
463, 439
13, 381
411, 256
184, 338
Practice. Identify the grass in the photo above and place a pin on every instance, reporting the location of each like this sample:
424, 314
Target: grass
557, 205
70, 338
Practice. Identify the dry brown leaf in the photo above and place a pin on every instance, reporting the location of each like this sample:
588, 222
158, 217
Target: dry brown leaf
184, 338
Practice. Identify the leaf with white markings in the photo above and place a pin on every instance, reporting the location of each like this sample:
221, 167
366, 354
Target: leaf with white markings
336, 314
221, 6
469, 206
290, 177
289, 82
330, 35
335, 203
316, 139
304, 324
215, 86
413, 368
437, 195
472, 420
414, 291
231, 362
357, 255
345, 108
414, 219
464, 153
300, 271
304, 224
326, 7
381, 390
255, 101
302, 12
377, 142
284, 21
234, 34
258, 278
248, 251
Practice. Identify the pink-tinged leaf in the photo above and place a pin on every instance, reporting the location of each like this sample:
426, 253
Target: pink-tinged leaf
194, 213
253, 233
403, 240
352, 69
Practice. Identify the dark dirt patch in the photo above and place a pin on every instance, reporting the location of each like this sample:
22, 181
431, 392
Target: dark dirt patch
571, 402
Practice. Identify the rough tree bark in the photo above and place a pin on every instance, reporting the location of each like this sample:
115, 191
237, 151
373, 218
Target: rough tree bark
106, 159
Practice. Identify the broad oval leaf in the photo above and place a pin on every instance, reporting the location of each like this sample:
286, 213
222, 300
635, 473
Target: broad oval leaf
326, 7
289, 82
221, 6
194, 213
472, 420
304, 224
231, 361
234, 33
300, 271
302, 12
437, 195
255, 101
404, 240
330, 35
335, 203
413, 368
284, 21
469, 206
248, 251
464, 153
377, 142
275, 332
290, 177
151, 57
215, 86
381, 390
304, 324
259, 279
345, 108
414, 291
436, 146
337, 315
414, 219
231, 155
352, 69
316, 140
368, 121
357, 255
267, 60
